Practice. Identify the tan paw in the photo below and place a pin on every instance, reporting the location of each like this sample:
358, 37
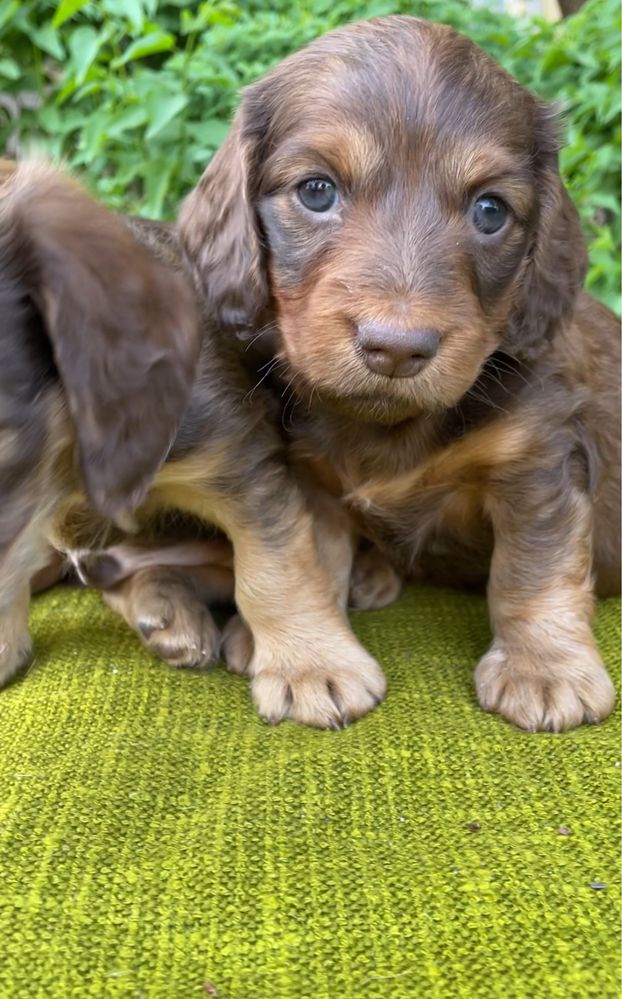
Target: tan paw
15, 641
14, 656
172, 622
237, 645
374, 583
552, 696
328, 689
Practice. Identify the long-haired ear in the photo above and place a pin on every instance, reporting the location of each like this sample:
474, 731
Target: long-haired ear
557, 262
124, 330
219, 231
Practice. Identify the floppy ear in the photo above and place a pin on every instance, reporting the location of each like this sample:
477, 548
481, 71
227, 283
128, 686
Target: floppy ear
219, 231
124, 331
557, 262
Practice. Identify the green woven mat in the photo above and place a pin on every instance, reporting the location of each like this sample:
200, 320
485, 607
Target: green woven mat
157, 840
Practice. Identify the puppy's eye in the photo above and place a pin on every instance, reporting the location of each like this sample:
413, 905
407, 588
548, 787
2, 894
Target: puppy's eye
318, 194
489, 214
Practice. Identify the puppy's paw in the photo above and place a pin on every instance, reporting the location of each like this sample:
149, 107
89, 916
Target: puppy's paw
14, 656
237, 645
551, 695
163, 607
327, 690
15, 641
374, 583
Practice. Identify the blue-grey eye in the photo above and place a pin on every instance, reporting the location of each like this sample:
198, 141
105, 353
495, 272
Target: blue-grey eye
318, 194
489, 214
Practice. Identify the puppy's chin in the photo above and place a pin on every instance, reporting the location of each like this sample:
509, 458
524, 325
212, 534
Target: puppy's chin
438, 388
364, 404
360, 403
370, 409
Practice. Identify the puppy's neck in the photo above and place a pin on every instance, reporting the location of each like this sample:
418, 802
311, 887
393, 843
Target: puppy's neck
359, 449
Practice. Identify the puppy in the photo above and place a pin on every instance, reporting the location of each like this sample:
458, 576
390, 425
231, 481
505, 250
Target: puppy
388, 206
121, 403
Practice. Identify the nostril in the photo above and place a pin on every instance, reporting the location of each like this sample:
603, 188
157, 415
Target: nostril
396, 352
379, 361
385, 363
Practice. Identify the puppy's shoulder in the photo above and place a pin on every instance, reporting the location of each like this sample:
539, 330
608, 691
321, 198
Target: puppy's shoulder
598, 323
587, 350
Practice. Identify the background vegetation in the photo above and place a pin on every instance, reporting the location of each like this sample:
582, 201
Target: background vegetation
137, 94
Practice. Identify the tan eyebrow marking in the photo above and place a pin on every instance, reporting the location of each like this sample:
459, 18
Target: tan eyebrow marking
475, 167
350, 154
473, 163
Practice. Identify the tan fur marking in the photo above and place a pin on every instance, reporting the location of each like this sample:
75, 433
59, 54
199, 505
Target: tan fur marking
466, 461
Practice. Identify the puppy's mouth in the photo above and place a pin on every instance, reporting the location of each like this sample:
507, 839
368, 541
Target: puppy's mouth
366, 408
383, 402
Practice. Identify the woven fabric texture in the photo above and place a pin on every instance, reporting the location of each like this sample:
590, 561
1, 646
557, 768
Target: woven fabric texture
158, 840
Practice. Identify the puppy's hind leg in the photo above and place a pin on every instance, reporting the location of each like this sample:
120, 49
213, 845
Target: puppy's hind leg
167, 606
164, 592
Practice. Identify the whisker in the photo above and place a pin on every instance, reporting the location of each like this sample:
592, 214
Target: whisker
501, 384
486, 400
271, 365
296, 401
504, 366
265, 329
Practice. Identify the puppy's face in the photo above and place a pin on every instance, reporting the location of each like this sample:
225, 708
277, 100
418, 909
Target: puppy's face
399, 178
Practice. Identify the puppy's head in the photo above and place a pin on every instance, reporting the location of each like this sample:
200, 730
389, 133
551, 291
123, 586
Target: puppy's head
124, 330
393, 197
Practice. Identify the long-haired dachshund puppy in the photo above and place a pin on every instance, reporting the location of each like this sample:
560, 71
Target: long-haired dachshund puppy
388, 206
120, 403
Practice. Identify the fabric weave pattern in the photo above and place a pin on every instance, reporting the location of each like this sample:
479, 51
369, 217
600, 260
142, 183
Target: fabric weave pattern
158, 840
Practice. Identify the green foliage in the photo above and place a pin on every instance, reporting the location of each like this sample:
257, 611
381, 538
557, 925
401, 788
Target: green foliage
137, 94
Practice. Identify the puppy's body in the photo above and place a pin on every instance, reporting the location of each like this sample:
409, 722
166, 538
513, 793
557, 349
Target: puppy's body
408, 234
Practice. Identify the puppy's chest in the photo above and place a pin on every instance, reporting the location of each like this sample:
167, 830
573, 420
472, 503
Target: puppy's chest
438, 530
428, 514
441, 533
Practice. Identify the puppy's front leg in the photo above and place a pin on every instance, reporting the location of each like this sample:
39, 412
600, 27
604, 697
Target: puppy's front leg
19, 562
543, 670
306, 664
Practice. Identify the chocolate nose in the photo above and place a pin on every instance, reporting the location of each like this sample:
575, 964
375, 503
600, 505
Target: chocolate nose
396, 353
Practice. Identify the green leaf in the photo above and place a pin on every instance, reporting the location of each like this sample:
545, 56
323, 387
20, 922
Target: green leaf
54, 120
211, 131
65, 10
131, 9
46, 38
9, 69
155, 41
125, 120
92, 138
157, 178
84, 44
92, 87
7, 9
162, 108
206, 15
66, 91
